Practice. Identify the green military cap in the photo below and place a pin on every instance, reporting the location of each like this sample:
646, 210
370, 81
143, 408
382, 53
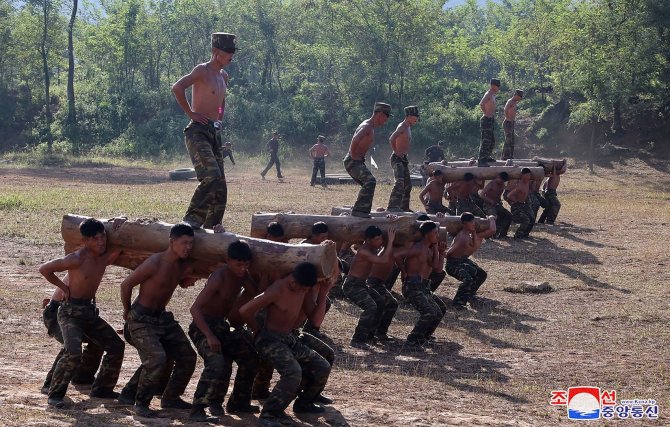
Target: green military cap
412, 110
224, 42
518, 93
495, 82
381, 107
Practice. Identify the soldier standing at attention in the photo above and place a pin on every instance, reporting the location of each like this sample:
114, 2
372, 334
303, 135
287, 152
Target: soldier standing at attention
273, 147
318, 153
400, 141
488, 106
508, 124
203, 140
78, 315
154, 331
354, 161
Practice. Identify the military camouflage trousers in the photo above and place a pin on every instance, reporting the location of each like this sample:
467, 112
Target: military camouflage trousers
90, 357
388, 307
76, 320
435, 207
503, 218
363, 177
372, 304
522, 214
159, 338
208, 203
470, 275
508, 147
488, 139
435, 279
319, 166
236, 346
467, 204
536, 201
552, 208
416, 292
402, 187
294, 361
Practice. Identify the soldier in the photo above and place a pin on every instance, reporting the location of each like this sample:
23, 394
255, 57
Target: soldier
400, 141
435, 153
218, 345
493, 204
521, 211
417, 263
228, 152
508, 124
550, 213
90, 356
273, 147
202, 135
78, 315
431, 195
356, 290
462, 191
381, 279
458, 264
154, 331
354, 161
488, 107
275, 232
318, 153
319, 234
284, 300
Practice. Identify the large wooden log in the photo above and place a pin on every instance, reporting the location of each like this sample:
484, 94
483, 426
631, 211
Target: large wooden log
483, 172
547, 164
139, 239
450, 222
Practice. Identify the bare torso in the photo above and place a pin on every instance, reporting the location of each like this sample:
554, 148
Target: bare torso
284, 312
488, 104
463, 245
360, 267
510, 109
209, 92
520, 192
435, 190
228, 288
400, 139
492, 191
85, 279
419, 263
553, 181
319, 151
155, 292
360, 146
382, 271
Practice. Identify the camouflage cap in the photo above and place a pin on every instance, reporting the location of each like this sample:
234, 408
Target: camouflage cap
518, 93
412, 110
224, 42
381, 107
495, 82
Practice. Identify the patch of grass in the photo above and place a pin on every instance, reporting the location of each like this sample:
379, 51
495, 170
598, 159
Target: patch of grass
9, 202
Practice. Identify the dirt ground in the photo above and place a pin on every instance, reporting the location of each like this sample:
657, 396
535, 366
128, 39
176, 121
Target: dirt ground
605, 325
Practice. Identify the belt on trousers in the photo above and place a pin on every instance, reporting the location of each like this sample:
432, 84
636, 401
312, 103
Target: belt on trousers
146, 311
81, 301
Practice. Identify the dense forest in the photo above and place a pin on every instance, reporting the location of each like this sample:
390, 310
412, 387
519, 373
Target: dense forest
96, 77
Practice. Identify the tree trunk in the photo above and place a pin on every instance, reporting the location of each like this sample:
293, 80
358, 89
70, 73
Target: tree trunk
593, 135
71, 112
138, 240
450, 222
452, 174
547, 164
45, 65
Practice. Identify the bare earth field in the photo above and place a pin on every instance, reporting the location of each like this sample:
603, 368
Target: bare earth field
607, 324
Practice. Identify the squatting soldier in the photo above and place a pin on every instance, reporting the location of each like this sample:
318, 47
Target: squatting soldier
202, 135
318, 235
90, 357
273, 147
154, 331
462, 191
493, 204
284, 300
318, 153
218, 344
400, 141
380, 280
488, 107
553, 204
521, 211
418, 262
535, 199
354, 161
508, 124
435, 153
358, 292
458, 264
78, 315
431, 195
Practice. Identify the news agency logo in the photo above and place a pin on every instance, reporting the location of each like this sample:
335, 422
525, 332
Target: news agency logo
591, 403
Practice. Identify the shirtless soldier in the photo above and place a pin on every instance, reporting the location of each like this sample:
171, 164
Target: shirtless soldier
488, 107
508, 124
400, 144
78, 315
462, 191
318, 153
522, 213
284, 300
202, 135
458, 264
417, 263
354, 161
431, 195
493, 204
154, 331
218, 345
550, 213
358, 292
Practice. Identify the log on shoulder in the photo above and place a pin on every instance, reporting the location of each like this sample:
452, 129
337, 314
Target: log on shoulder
484, 172
450, 222
140, 239
547, 164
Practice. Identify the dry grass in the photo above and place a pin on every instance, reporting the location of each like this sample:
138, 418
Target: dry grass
606, 325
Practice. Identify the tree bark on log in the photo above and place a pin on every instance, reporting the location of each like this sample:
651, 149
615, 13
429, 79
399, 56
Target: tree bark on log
547, 164
138, 240
450, 222
452, 174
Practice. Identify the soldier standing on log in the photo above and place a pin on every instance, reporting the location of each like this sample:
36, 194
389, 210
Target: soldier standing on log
488, 106
508, 124
400, 141
354, 161
202, 135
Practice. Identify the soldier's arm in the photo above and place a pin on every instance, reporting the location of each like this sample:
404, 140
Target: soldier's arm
361, 133
400, 130
179, 91
137, 276
249, 310
214, 282
49, 269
